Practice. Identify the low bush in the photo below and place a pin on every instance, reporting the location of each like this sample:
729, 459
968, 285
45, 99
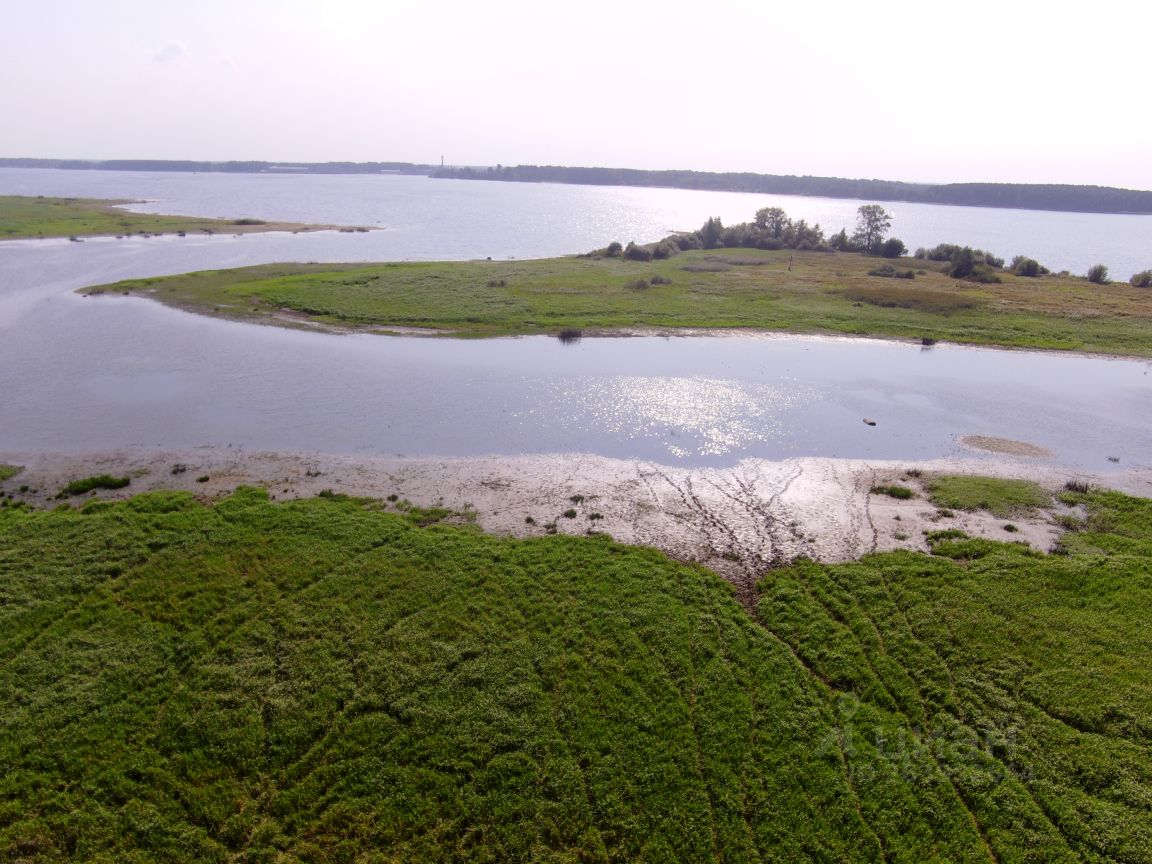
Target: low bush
632, 252
1030, 267
890, 272
1098, 274
1143, 279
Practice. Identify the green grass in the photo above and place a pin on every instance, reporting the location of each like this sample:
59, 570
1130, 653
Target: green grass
324, 681
790, 291
26, 217
998, 496
98, 481
901, 492
7, 472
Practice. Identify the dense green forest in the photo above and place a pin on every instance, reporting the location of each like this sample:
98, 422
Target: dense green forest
1027, 196
345, 680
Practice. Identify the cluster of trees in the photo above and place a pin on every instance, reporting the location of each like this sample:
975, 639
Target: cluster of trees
771, 229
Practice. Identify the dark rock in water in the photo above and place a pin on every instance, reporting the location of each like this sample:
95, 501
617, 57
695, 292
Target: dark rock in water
868, 421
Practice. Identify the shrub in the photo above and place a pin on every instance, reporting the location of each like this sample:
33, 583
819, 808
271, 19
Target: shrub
1023, 266
940, 252
637, 253
659, 280
890, 272
969, 264
893, 248
1143, 279
614, 249
1098, 274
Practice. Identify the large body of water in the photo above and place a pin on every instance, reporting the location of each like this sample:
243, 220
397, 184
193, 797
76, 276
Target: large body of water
424, 218
84, 373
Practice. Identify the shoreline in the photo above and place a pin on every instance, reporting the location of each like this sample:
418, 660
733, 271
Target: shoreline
290, 319
737, 521
93, 215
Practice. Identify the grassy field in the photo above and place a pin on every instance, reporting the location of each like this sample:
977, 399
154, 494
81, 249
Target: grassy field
997, 495
340, 680
804, 292
24, 217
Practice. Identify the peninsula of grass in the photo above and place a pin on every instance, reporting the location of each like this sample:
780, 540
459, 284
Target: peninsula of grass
7, 472
784, 290
324, 681
999, 496
23, 217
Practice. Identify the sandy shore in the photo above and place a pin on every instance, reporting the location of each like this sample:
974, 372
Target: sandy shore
737, 520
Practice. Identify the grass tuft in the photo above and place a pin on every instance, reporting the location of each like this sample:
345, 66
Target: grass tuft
88, 484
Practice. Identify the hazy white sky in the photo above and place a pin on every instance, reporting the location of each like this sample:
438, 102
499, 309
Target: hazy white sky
1000, 91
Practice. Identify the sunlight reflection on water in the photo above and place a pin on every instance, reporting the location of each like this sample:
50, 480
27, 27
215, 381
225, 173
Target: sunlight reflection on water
692, 415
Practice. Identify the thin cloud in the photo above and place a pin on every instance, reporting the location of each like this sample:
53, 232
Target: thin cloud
170, 53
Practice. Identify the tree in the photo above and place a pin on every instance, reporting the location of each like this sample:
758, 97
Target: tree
872, 223
773, 220
1143, 279
710, 233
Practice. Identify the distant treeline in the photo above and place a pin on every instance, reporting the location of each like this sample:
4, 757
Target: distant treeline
1026, 196
222, 167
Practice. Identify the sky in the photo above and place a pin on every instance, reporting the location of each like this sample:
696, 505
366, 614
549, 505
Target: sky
1001, 91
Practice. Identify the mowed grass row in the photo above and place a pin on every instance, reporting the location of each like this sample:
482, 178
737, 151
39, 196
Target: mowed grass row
23, 217
325, 681
804, 292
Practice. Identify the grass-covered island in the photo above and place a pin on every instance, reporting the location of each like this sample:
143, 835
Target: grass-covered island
337, 679
25, 217
774, 274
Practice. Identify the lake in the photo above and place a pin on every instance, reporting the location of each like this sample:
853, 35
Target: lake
109, 372
424, 218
